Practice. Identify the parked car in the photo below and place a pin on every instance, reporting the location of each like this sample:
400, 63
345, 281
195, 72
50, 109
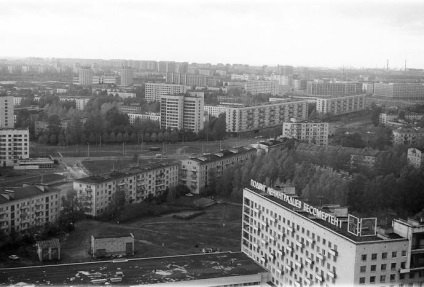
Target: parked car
14, 257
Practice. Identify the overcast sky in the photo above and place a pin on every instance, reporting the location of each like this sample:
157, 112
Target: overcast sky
299, 33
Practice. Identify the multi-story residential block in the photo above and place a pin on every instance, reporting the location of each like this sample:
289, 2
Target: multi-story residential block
14, 145
299, 85
154, 92
196, 173
183, 111
269, 145
333, 88
190, 80
312, 132
142, 117
407, 136
384, 118
137, 183
29, 206
108, 79
6, 112
85, 76
130, 109
302, 245
285, 70
215, 110
123, 95
340, 105
416, 157
127, 76
411, 91
366, 157
244, 77
80, 102
17, 101
261, 87
252, 118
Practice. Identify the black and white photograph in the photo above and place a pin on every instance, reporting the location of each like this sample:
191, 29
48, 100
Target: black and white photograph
271, 143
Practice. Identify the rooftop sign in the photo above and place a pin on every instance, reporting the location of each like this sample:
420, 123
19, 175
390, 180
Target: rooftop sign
296, 203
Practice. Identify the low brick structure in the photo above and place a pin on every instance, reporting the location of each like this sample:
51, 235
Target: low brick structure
109, 245
48, 250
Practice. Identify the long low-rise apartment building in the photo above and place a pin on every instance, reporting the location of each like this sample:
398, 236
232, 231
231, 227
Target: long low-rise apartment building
340, 105
302, 245
155, 117
29, 206
253, 118
197, 172
312, 132
407, 136
333, 88
138, 183
261, 87
411, 91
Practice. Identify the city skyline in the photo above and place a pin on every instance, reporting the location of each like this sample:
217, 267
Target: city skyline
302, 33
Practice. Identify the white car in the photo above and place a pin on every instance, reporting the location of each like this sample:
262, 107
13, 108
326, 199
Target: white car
13, 257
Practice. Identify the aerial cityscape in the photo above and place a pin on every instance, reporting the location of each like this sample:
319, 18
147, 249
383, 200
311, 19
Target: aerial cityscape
212, 143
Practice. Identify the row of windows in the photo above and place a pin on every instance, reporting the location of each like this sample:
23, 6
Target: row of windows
374, 256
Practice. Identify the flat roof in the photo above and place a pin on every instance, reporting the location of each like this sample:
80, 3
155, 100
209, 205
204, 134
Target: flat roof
341, 231
138, 270
23, 192
226, 153
126, 172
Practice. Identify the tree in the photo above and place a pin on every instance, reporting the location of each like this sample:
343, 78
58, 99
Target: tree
375, 114
166, 136
53, 139
116, 204
72, 210
153, 137
61, 140
160, 137
174, 136
119, 138
220, 127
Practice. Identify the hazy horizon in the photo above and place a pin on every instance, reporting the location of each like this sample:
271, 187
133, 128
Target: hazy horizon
331, 34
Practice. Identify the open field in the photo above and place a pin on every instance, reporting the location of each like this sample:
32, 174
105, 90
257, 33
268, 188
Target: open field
219, 227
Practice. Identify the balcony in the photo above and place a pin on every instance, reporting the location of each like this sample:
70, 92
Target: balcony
88, 189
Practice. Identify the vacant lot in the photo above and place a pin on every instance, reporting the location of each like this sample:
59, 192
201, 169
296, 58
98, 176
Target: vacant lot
219, 227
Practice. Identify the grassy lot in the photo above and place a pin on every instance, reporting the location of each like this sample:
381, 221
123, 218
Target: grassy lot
219, 227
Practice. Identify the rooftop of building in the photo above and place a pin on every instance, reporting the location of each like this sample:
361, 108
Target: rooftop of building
315, 149
112, 235
269, 104
337, 96
139, 271
409, 130
52, 243
421, 149
339, 230
18, 193
95, 179
225, 153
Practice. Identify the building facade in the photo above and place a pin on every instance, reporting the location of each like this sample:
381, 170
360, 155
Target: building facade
14, 145
407, 136
416, 157
85, 76
183, 111
196, 173
105, 246
154, 92
333, 88
252, 118
143, 117
138, 183
261, 87
127, 76
29, 206
191, 80
215, 110
301, 245
6, 112
340, 105
411, 91
311, 132
80, 102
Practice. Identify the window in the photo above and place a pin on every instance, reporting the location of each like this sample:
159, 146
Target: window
404, 253
363, 269
373, 267
364, 257
393, 266
362, 280
372, 279
374, 256
384, 255
383, 278
383, 267
394, 254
